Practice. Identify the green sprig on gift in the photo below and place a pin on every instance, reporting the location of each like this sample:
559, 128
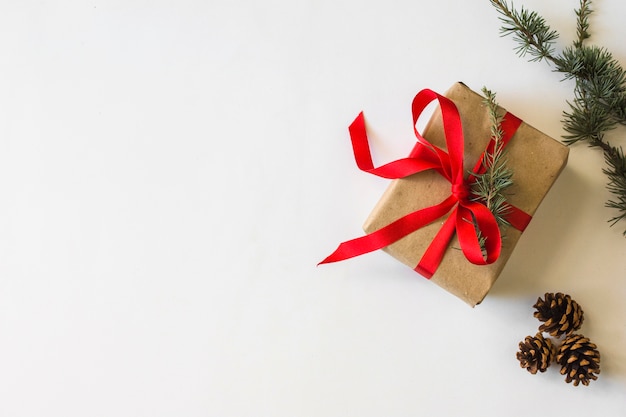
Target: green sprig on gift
490, 187
599, 103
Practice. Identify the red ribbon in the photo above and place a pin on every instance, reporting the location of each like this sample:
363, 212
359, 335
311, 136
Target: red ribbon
465, 215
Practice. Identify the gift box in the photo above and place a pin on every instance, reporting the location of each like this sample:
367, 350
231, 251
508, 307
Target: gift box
426, 217
536, 161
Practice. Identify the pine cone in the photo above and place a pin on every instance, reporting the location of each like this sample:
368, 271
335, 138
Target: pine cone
579, 359
535, 353
560, 314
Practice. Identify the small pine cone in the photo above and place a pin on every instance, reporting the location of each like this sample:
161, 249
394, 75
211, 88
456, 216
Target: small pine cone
559, 313
579, 359
535, 353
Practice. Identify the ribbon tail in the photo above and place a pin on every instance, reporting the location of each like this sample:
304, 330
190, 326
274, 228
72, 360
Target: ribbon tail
389, 234
434, 253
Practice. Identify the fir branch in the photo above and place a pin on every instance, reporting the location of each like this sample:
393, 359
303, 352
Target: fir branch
599, 93
490, 187
582, 23
616, 173
599, 103
586, 121
529, 30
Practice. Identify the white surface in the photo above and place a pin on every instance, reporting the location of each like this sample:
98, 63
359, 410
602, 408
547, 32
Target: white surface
171, 172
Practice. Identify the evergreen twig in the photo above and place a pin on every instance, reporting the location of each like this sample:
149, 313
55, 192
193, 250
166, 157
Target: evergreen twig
599, 103
582, 23
490, 186
529, 30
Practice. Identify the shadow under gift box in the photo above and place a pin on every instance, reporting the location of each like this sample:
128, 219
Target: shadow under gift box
536, 161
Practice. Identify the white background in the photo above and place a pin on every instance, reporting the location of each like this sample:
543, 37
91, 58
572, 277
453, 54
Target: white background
172, 171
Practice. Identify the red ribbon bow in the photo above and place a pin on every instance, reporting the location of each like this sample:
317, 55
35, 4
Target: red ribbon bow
465, 216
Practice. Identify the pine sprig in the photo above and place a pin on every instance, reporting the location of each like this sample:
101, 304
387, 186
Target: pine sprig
489, 187
582, 23
599, 103
616, 172
533, 36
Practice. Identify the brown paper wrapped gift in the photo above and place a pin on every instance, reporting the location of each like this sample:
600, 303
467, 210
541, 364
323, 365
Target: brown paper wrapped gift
536, 161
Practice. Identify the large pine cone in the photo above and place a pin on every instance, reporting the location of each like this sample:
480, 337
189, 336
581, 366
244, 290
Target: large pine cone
535, 353
559, 313
579, 359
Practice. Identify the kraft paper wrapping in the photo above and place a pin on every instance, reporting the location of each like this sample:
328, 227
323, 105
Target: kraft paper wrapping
536, 161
